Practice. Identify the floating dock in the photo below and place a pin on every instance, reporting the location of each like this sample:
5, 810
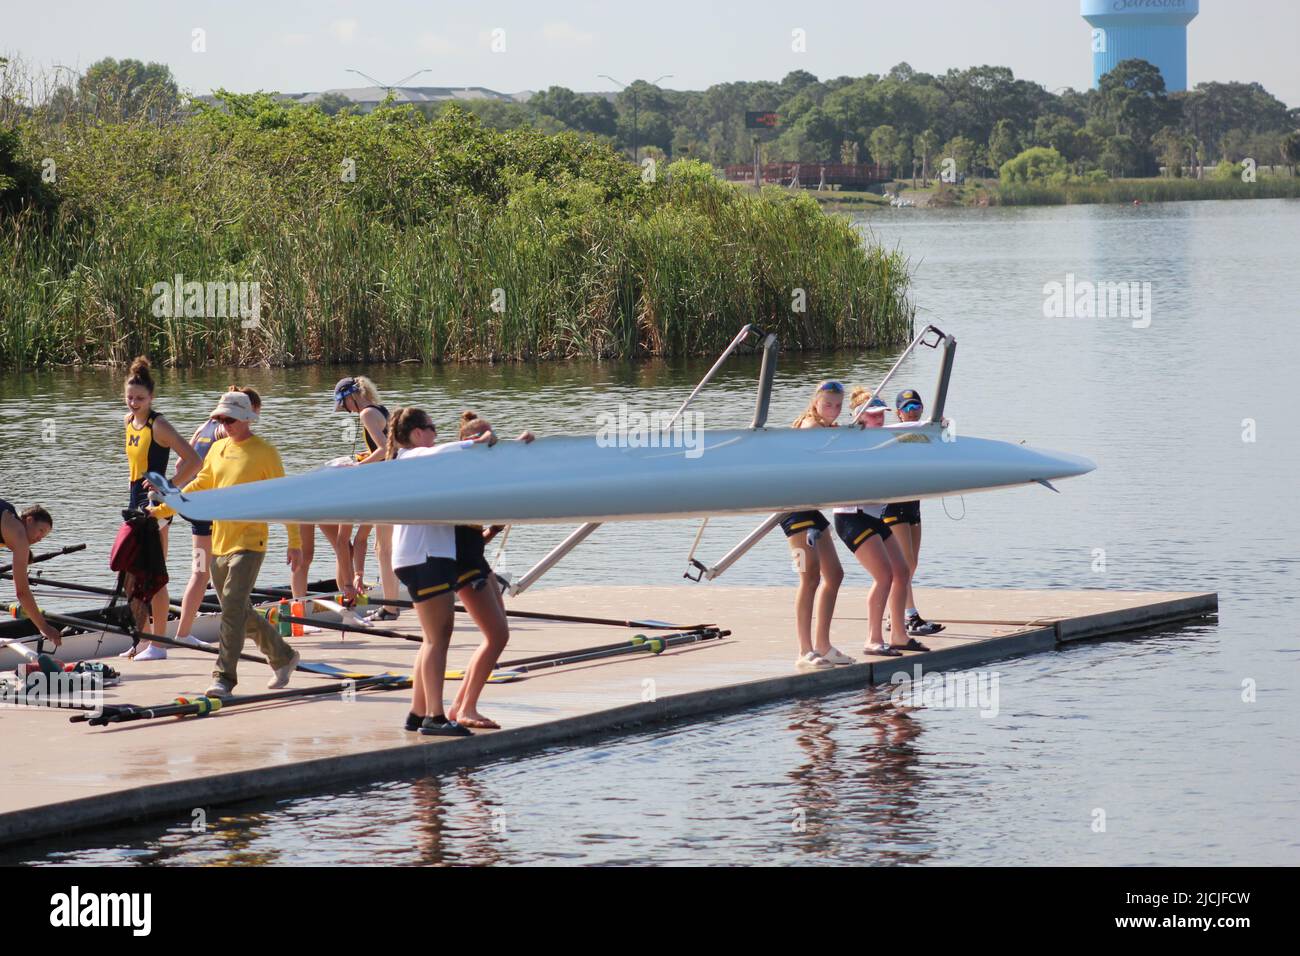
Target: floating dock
61, 777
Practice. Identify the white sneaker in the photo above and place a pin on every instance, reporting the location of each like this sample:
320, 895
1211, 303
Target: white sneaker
129, 652
280, 676
219, 688
154, 652
811, 661
837, 657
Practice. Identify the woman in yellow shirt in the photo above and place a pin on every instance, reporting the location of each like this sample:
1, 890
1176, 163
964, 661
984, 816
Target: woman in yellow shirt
150, 439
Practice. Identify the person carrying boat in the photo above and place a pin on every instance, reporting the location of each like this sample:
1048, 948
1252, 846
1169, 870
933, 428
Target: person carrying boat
18, 532
239, 547
150, 439
480, 593
202, 441
904, 519
358, 394
863, 530
813, 553
424, 556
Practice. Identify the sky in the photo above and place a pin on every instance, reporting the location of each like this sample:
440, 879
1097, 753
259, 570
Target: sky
299, 46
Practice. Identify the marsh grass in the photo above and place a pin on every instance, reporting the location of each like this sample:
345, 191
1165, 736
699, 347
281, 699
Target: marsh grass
455, 243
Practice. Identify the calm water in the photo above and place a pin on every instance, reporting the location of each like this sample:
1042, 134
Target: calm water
1151, 730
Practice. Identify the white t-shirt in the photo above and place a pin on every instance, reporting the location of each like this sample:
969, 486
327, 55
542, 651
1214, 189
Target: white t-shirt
874, 508
413, 543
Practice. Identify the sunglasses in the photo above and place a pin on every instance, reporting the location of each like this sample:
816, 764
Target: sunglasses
830, 387
223, 420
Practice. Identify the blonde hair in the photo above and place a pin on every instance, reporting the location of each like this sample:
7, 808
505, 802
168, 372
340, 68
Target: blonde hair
811, 412
859, 397
369, 394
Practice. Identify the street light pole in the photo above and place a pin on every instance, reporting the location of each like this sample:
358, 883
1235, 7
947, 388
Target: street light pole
636, 157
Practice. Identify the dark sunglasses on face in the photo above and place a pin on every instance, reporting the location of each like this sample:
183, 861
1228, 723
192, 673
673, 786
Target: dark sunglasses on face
223, 420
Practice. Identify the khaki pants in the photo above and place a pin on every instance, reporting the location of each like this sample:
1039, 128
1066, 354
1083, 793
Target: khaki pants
233, 578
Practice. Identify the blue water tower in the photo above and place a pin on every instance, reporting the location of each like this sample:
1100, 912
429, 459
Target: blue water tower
1151, 30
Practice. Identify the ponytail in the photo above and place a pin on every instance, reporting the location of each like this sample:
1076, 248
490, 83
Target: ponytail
140, 374
401, 423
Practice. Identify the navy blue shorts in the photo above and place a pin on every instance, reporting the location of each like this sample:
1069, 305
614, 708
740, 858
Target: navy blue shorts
905, 512
424, 582
857, 527
200, 528
797, 522
472, 567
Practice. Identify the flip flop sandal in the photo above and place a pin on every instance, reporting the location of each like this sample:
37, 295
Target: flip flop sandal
475, 724
880, 650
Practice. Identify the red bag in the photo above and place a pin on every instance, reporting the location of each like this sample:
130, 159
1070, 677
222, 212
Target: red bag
137, 555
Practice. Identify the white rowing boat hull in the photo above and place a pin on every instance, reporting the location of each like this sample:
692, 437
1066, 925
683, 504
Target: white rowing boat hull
564, 479
96, 644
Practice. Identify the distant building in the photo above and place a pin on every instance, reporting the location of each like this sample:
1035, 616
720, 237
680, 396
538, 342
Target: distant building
1151, 30
366, 98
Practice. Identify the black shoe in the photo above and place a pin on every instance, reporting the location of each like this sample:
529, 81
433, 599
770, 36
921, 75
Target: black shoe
413, 722
917, 625
443, 728
383, 614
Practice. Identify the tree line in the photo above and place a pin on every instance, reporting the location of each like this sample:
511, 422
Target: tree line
979, 118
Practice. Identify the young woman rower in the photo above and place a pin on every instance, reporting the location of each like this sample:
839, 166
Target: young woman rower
18, 532
357, 394
864, 532
904, 519
425, 560
150, 439
482, 597
201, 531
813, 553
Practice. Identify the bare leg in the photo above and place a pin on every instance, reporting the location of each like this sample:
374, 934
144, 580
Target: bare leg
384, 552
488, 612
200, 574
907, 544
159, 606
340, 538
871, 554
360, 541
299, 578
436, 616
807, 563
832, 574
899, 590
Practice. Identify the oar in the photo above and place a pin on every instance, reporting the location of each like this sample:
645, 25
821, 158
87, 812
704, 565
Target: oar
7, 568
655, 645
307, 667
92, 589
318, 588
203, 706
639, 639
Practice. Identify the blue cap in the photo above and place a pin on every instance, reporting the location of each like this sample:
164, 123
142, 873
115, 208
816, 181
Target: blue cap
908, 398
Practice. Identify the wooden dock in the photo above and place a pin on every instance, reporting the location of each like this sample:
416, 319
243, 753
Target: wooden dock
61, 777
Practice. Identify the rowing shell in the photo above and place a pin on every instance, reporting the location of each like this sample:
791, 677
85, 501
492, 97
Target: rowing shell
95, 643
564, 479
